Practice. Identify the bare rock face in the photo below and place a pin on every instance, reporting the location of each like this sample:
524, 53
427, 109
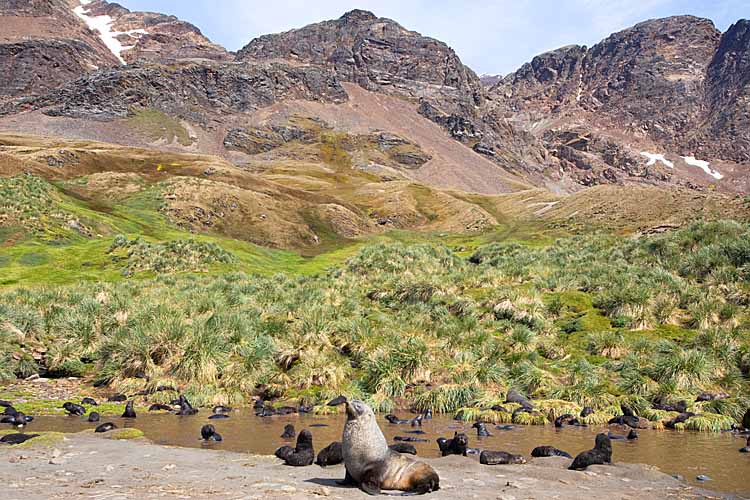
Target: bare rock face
727, 134
675, 84
191, 90
380, 55
376, 53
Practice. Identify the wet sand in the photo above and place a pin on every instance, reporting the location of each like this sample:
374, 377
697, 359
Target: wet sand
85, 465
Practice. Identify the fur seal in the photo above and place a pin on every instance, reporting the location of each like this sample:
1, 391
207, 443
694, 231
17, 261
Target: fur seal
117, 398
505, 427
18, 438
129, 411
218, 416
587, 410
746, 449
74, 409
746, 419
428, 414
403, 448
711, 396
289, 432
417, 421
599, 455
93, 416
514, 396
567, 419
500, 458
333, 454
455, 446
9, 410
185, 407
301, 455
221, 409
410, 439
159, 407
616, 437
5, 403
481, 428
549, 451
89, 401
208, 433
373, 466
105, 427
679, 419
679, 407
393, 419
499, 408
19, 419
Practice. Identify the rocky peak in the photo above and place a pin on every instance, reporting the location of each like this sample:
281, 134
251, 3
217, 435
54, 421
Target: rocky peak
358, 16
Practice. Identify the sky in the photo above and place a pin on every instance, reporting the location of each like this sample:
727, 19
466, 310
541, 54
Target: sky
490, 36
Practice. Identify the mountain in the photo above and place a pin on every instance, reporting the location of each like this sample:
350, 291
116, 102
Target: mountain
663, 102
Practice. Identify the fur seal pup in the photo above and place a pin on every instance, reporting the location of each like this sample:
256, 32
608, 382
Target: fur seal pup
514, 396
93, 416
711, 396
393, 419
9, 411
679, 419
218, 416
5, 403
333, 454
159, 407
221, 409
587, 410
428, 414
601, 454
318, 425
481, 428
186, 408
74, 409
105, 427
417, 421
455, 446
500, 458
616, 437
18, 438
407, 448
505, 427
679, 407
549, 451
89, 401
129, 411
372, 465
410, 439
289, 432
567, 419
746, 449
208, 433
746, 419
301, 455
117, 398
19, 419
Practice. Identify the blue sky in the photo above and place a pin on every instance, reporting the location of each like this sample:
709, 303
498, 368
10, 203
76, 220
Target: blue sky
491, 36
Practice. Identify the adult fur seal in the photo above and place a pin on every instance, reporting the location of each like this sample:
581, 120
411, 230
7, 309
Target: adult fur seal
333, 454
500, 458
599, 455
129, 411
549, 451
373, 466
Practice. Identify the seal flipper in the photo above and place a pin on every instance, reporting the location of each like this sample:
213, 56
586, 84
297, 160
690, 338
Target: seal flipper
370, 483
347, 481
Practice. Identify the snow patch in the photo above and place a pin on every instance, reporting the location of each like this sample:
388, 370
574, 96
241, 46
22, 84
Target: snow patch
103, 24
653, 158
704, 165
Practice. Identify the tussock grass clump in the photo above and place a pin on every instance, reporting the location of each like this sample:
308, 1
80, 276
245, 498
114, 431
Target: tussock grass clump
176, 255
